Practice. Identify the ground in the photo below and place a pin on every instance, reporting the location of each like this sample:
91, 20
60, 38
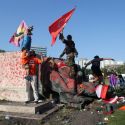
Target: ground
68, 116
64, 116
91, 114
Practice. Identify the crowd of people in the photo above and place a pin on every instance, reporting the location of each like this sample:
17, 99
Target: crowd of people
29, 62
116, 81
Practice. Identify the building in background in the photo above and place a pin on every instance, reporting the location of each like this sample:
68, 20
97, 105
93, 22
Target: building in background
82, 62
40, 50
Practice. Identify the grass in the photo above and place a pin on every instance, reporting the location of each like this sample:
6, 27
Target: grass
117, 118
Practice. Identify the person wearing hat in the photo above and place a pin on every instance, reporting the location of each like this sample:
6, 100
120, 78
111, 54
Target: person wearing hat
96, 71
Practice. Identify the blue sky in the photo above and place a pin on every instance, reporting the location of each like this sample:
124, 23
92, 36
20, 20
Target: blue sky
97, 26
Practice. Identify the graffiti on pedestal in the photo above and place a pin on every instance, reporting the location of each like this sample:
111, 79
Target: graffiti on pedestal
11, 71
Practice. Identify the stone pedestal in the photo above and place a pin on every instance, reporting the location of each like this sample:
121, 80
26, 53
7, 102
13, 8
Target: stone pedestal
12, 82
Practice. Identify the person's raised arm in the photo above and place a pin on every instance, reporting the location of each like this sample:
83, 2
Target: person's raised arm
61, 37
108, 59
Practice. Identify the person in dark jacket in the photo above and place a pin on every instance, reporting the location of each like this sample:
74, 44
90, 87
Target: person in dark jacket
97, 73
69, 49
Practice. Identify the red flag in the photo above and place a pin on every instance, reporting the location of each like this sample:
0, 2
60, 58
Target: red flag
101, 91
56, 27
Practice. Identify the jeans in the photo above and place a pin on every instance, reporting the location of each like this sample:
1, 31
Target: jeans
33, 84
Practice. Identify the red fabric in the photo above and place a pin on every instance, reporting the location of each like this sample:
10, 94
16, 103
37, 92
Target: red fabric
56, 27
89, 88
104, 91
61, 64
70, 83
57, 79
111, 100
108, 113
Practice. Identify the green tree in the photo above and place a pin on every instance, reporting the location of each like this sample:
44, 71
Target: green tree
121, 69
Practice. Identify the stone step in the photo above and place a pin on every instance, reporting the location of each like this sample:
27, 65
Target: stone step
30, 108
12, 118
